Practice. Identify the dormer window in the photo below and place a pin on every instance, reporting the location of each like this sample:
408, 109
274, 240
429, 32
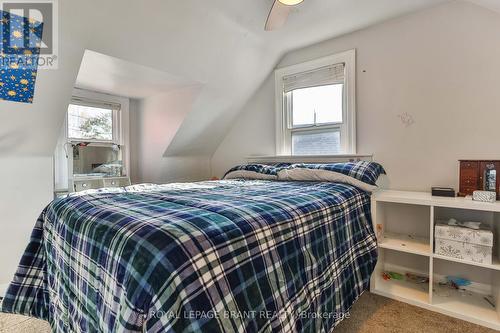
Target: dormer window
315, 107
90, 121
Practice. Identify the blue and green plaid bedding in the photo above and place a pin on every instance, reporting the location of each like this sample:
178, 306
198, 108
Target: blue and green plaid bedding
271, 170
226, 256
365, 171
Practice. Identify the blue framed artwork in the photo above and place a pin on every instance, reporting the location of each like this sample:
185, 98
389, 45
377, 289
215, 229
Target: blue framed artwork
19, 53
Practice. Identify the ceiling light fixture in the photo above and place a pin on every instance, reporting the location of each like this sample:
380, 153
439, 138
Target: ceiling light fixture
290, 2
279, 13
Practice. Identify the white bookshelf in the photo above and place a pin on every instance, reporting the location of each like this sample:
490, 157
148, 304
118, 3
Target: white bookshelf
404, 223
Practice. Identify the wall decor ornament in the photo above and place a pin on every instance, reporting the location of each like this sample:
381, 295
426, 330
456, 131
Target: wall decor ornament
406, 119
19, 51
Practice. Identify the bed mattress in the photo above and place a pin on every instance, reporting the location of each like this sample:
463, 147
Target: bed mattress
221, 256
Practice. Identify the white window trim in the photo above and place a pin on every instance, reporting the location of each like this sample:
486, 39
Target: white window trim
348, 129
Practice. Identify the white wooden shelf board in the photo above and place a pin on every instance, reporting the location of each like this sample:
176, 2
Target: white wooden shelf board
469, 307
413, 198
405, 243
495, 265
425, 198
416, 294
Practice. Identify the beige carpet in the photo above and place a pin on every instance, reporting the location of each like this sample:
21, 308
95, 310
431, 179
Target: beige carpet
371, 314
376, 314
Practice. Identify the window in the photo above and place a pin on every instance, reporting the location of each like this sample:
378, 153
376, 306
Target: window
315, 107
93, 122
94, 141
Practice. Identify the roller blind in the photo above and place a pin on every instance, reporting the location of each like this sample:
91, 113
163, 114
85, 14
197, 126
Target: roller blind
332, 74
95, 103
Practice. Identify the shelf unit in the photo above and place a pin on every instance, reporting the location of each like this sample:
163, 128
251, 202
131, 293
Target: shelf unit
404, 223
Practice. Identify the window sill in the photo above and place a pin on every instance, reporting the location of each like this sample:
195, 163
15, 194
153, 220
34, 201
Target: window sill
310, 158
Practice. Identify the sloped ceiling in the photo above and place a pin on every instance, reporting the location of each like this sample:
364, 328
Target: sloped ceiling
490, 4
219, 43
254, 54
102, 73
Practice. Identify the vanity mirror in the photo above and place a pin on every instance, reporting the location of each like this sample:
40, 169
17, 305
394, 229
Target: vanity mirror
97, 161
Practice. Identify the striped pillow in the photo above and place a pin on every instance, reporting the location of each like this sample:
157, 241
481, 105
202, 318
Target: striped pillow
255, 171
367, 172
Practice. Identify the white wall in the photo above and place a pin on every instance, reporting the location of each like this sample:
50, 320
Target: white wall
157, 119
21, 203
441, 66
251, 134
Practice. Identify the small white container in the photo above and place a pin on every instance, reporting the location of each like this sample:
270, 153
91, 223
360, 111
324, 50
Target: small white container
485, 196
464, 243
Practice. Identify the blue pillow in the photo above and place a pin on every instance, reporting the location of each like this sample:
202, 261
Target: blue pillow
265, 169
367, 172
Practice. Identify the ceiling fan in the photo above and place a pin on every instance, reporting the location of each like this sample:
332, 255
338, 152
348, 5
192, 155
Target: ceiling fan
279, 13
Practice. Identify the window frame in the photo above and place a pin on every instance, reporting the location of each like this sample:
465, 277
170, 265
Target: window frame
116, 121
284, 126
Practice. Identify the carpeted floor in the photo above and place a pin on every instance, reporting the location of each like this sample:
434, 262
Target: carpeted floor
371, 314
377, 314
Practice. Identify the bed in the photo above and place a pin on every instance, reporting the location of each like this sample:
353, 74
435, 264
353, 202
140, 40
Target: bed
217, 256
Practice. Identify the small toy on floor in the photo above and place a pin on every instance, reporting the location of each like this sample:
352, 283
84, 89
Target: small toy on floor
416, 278
410, 277
457, 282
419, 280
453, 284
392, 276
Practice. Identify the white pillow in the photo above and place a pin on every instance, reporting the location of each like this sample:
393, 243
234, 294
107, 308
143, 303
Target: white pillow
303, 174
245, 174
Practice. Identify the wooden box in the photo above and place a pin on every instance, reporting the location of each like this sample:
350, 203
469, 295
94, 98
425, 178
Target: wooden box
473, 176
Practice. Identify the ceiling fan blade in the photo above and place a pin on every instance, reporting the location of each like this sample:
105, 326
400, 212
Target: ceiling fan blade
277, 16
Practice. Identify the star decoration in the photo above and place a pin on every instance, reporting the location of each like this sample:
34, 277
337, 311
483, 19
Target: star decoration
18, 57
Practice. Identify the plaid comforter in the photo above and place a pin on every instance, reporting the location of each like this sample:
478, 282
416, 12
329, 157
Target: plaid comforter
226, 256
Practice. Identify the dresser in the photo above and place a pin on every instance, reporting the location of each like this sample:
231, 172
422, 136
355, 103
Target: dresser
479, 175
88, 183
